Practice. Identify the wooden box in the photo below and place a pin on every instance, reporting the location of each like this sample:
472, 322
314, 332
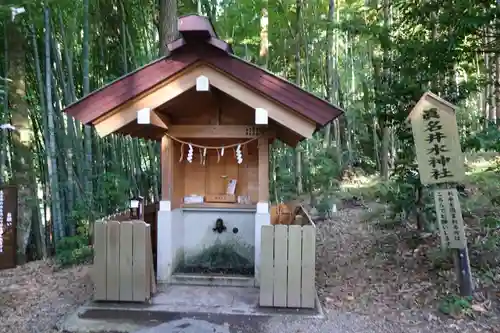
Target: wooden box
228, 198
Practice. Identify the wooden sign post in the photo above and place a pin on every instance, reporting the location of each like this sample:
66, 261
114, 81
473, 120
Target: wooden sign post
440, 162
8, 226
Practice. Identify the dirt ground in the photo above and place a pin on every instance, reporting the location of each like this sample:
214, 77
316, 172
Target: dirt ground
380, 273
33, 297
360, 269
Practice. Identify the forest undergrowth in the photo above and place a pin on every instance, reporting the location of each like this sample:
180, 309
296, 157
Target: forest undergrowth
372, 259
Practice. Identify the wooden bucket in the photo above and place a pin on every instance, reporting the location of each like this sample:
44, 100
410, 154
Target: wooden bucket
281, 214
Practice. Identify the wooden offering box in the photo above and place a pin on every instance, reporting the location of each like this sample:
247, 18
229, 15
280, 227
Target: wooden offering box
227, 198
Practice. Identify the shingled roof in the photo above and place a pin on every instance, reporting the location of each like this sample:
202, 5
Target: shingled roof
200, 43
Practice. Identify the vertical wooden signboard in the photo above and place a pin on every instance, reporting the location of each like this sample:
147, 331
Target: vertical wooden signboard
437, 144
8, 226
450, 221
440, 162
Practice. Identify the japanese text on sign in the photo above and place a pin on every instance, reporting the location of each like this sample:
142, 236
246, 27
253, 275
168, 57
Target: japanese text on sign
449, 217
437, 143
1, 222
437, 151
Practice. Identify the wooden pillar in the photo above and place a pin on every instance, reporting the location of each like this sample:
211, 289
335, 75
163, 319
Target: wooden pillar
167, 168
264, 169
262, 217
165, 220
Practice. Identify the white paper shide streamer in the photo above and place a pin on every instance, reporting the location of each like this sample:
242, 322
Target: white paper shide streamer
190, 154
239, 156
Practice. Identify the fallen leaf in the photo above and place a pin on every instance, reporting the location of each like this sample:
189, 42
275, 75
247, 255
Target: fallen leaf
478, 308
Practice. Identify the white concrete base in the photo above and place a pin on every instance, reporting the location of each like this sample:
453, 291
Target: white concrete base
185, 232
164, 254
263, 208
261, 218
165, 206
169, 243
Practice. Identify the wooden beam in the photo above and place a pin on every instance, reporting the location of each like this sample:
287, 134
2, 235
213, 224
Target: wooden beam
167, 168
263, 167
159, 120
169, 90
216, 131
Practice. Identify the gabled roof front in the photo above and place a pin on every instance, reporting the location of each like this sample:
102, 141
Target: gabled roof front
199, 45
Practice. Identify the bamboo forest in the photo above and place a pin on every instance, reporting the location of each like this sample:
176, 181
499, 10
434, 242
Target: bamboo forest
383, 263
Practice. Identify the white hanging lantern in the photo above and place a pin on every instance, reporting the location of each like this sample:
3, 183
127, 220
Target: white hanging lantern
144, 116
261, 117
8, 127
134, 203
16, 11
202, 83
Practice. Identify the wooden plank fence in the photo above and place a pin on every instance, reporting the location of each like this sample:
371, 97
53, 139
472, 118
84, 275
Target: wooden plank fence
287, 271
123, 261
150, 217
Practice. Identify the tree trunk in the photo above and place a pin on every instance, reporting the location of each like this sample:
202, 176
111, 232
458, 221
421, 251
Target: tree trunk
22, 162
87, 132
386, 131
298, 81
486, 91
330, 76
492, 93
40, 231
264, 36
51, 149
384, 163
5, 115
497, 89
168, 24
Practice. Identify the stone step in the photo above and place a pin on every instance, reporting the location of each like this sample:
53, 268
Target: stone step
212, 280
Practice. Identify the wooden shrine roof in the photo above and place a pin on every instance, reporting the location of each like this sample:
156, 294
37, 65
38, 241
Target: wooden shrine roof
199, 44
